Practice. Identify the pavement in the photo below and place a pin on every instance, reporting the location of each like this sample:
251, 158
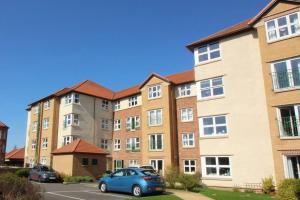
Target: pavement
59, 191
185, 195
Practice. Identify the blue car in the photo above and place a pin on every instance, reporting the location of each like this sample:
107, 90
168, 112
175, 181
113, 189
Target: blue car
133, 180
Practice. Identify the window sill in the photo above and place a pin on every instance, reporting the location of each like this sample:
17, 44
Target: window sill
210, 98
217, 178
154, 125
117, 150
187, 121
186, 96
208, 62
290, 137
214, 137
161, 150
191, 147
149, 99
286, 89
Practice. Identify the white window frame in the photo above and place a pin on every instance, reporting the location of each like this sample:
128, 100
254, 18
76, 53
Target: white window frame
288, 63
297, 115
133, 163
34, 126
117, 105
156, 142
197, 54
154, 91
156, 113
133, 123
47, 105
36, 109
117, 163
288, 170
186, 141
43, 160
217, 166
189, 166
71, 119
104, 143
133, 143
117, 125
117, 144
72, 98
33, 144
46, 123
154, 164
104, 104
133, 101
214, 126
44, 143
67, 139
186, 115
276, 29
210, 88
185, 90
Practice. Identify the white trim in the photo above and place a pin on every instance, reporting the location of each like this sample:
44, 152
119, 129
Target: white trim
217, 166
157, 91
189, 166
156, 163
207, 52
188, 139
117, 144
156, 117
155, 136
210, 88
187, 110
213, 126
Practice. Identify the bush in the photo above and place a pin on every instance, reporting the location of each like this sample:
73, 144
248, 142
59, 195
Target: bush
171, 176
189, 181
289, 189
23, 172
267, 185
15, 187
77, 179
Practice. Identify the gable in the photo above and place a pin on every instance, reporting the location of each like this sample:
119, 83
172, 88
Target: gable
281, 6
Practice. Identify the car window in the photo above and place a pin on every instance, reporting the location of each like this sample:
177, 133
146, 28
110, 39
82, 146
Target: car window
149, 172
44, 168
119, 173
131, 172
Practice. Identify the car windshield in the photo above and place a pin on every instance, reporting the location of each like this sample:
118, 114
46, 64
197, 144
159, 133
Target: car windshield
44, 169
149, 172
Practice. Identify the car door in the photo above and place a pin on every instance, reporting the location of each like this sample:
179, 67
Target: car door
129, 180
114, 183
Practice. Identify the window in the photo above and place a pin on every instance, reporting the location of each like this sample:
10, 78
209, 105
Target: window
283, 27
288, 118
154, 92
133, 101
44, 143
34, 126
104, 143
94, 161
31, 163
155, 117
184, 90
46, 123
36, 109
43, 161
186, 114
68, 139
155, 142
71, 120
158, 165
71, 98
117, 145
133, 163
213, 126
286, 74
211, 87
216, 166
105, 104
208, 52
105, 124
85, 161
132, 144
189, 166
33, 144
188, 140
118, 164
132, 123
117, 124
291, 166
117, 105
47, 105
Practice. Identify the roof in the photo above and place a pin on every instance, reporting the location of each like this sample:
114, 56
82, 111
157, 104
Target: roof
127, 92
183, 77
154, 75
2, 125
16, 154
79, 146
235, 29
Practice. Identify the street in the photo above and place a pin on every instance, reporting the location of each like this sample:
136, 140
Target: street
88, 191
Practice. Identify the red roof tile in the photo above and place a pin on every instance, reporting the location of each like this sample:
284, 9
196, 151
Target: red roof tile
183, 77
79, 146
16, 154
127, 92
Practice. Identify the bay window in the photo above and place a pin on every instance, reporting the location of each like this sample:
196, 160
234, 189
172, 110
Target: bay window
71, 120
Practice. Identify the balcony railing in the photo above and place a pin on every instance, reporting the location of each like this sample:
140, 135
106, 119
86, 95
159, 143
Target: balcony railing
286, 80
289, 126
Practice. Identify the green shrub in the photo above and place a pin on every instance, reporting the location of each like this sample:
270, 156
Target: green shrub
23, 172
267, 185
236, 189
189, 181
15, 187
77, 179
171, 176
289, 189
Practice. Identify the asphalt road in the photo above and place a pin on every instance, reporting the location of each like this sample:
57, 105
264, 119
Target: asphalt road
58, 191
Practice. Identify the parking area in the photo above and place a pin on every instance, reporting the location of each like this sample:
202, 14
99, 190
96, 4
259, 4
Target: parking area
88, 191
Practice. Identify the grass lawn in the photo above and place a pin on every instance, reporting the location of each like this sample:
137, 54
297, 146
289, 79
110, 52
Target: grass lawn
229, 195
158, 197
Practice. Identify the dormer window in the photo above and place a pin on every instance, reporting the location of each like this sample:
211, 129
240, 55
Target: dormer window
207, 53
283, 27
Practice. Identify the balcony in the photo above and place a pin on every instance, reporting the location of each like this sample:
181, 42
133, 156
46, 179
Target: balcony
286, 80
289, 127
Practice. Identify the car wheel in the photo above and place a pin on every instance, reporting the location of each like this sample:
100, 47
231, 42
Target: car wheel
137, 191
103, 187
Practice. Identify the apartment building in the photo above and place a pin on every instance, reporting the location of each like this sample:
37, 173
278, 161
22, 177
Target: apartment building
3, 140
247, 99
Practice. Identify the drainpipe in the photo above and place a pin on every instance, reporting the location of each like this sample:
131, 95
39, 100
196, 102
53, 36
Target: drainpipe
38, 137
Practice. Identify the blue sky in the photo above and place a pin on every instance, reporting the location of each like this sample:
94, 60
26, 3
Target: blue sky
50, 44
